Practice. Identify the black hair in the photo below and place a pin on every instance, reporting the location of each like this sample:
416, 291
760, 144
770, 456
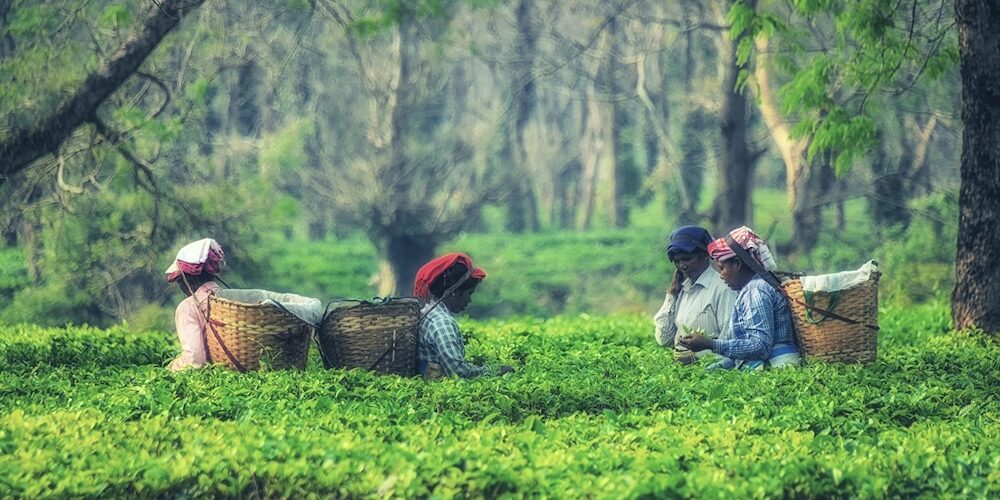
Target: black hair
449, 277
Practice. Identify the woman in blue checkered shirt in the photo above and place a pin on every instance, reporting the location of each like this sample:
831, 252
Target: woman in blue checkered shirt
446, 285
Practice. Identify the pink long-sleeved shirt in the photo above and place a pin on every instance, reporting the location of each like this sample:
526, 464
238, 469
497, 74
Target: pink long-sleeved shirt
191, 322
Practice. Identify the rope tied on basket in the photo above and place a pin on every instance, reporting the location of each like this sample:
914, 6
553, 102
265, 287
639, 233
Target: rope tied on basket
772, 280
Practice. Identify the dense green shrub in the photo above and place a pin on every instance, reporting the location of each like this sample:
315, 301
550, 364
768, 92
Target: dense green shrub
595, 409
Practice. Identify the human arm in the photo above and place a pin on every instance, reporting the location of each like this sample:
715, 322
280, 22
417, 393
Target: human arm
666, 328
664, 320
451, 352
190, 333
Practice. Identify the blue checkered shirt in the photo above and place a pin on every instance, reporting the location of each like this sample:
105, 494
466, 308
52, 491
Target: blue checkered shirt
439, 341
761, 320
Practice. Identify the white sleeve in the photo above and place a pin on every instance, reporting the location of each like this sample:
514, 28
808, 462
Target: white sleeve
191, 335
666, 328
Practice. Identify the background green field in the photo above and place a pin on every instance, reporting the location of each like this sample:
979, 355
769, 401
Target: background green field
557, 272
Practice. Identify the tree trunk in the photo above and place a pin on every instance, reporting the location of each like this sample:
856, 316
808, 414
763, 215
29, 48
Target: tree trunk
804, 183
400, 258
402, 250
6, 41
920, 179
693, 158
616, 215
689, 59
807, 206
567, 181
244, 96
522, 212
736, 163
896, 183
591, 151
613, 77
7, 45
888, 202
975, 302
28, 143
596, 134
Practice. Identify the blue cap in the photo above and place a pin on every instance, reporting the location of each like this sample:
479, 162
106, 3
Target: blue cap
688, 239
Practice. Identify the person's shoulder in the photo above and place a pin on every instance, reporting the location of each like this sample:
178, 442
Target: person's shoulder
437, 315
760, 287
188, 306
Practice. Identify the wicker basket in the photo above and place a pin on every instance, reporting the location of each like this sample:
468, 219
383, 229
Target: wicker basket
828, 338
379, 336
255, 335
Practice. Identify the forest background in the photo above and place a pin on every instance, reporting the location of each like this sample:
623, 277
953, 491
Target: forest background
334, 146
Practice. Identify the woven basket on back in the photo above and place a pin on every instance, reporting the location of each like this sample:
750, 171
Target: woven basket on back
379, 336
255, 335
828, 338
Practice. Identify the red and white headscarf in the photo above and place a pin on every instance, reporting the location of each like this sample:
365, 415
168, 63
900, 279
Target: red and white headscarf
202, 256
746, 238
435, 268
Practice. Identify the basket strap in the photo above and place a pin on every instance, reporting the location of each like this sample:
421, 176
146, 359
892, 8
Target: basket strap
391, 349
319, 346
772, 280
211, 325
831, 314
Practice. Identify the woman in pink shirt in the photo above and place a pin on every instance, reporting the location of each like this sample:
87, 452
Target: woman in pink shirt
194, 270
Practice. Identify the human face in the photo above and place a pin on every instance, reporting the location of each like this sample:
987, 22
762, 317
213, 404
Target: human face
459, 300
691, 265
731, 272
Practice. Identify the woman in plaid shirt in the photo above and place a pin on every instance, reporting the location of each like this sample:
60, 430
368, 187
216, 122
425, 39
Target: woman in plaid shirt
446, 285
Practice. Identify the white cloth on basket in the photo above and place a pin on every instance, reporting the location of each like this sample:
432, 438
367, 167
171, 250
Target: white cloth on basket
307, 309
839, 281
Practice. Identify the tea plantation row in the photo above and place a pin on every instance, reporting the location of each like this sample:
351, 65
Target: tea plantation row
595, 410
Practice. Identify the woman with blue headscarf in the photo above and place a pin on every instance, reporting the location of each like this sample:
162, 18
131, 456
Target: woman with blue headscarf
698, 301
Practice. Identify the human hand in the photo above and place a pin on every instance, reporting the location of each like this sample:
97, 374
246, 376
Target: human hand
675, 283
505, 369
696, 342
685, 357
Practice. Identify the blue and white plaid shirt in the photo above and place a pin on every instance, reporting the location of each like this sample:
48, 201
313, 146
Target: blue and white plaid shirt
439, 341
761, 321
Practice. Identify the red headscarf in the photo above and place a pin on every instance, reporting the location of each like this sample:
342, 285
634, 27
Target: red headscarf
433, 269
746, 238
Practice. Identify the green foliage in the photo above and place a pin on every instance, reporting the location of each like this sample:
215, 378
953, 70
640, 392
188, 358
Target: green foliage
920, 262
54, 51
595, 409
13, 272
116, 16
284, 152
199, 90
331, 269
879, 49
300, 5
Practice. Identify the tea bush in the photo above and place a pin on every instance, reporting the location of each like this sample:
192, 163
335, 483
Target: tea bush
595, 409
